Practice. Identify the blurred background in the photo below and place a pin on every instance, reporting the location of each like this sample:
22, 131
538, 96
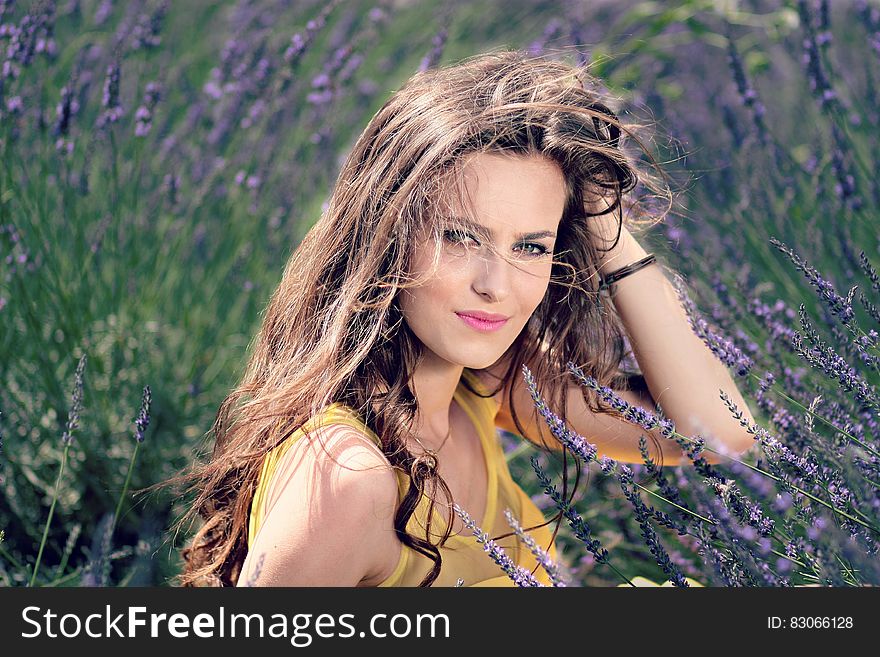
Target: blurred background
160, 162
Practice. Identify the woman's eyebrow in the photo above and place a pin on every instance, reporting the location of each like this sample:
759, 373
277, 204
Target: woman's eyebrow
480, 228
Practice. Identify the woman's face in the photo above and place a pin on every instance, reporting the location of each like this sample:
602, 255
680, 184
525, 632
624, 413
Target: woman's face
499, 267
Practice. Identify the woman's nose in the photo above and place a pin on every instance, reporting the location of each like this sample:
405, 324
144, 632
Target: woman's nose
491, 276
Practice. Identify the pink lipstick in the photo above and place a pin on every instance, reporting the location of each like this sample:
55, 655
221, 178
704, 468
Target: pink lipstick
483, 324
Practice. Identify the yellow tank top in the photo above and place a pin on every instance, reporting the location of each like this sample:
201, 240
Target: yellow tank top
463, 557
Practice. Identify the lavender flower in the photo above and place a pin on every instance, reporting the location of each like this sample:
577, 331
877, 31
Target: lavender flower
871, 273
97, 573
300, 41
819, 83
634, 414
103, 12
76, 406
144, 114
142, 421
145, 34
518, 574
625, 477
66, 109
581, 529
741, 506
838, 305
541, 555
573, 441
828, 361
747, 93
727, 352
666, 489
110, 100
437, 42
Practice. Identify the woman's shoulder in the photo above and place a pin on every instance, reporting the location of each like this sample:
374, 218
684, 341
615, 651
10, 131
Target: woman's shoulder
336, 484
338, 442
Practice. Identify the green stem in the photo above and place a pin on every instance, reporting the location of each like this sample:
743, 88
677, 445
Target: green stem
125, 487
660, 497
69, 576
6, 555
867, 448
792, 559
619, 574
847, 570
49, 519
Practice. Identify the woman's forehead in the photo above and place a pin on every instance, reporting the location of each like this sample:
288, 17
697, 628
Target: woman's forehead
504, 193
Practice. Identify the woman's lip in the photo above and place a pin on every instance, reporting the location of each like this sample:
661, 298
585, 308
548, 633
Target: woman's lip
482, 324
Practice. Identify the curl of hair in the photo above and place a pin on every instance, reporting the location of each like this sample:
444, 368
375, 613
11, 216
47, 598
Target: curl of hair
333, 330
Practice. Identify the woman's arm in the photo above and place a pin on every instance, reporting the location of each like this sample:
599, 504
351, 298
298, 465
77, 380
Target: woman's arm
681, 372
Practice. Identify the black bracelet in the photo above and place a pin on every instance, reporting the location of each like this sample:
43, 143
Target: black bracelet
613, 277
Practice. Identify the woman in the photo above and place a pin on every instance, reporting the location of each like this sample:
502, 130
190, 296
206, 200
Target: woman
467, 235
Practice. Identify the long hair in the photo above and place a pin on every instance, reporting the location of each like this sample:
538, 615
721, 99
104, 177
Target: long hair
333, 329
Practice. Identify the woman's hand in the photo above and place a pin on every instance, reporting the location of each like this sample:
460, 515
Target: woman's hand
604, 229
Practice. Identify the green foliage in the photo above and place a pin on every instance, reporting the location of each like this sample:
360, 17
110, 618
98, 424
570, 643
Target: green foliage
153, 255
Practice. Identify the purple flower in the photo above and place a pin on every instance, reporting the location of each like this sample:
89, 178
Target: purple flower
144, 114
837, 304
76, 406
581, 529
14, 105
519, 575
437, 42
142, 421
576, 443
541, 555
633, 414
300, 41
748, 95
110, 99
66, 109
824, 358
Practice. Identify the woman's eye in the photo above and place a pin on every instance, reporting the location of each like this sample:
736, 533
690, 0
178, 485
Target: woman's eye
540, 249
457, 236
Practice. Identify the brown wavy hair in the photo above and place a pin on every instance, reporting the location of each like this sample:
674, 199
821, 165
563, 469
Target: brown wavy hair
333, 329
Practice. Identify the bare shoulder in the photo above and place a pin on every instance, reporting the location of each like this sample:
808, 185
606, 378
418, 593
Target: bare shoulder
329, 514
334, 452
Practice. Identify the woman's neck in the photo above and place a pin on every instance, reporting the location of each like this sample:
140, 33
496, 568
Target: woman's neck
434, 383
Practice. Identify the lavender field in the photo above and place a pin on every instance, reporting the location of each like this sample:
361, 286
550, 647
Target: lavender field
161, 160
